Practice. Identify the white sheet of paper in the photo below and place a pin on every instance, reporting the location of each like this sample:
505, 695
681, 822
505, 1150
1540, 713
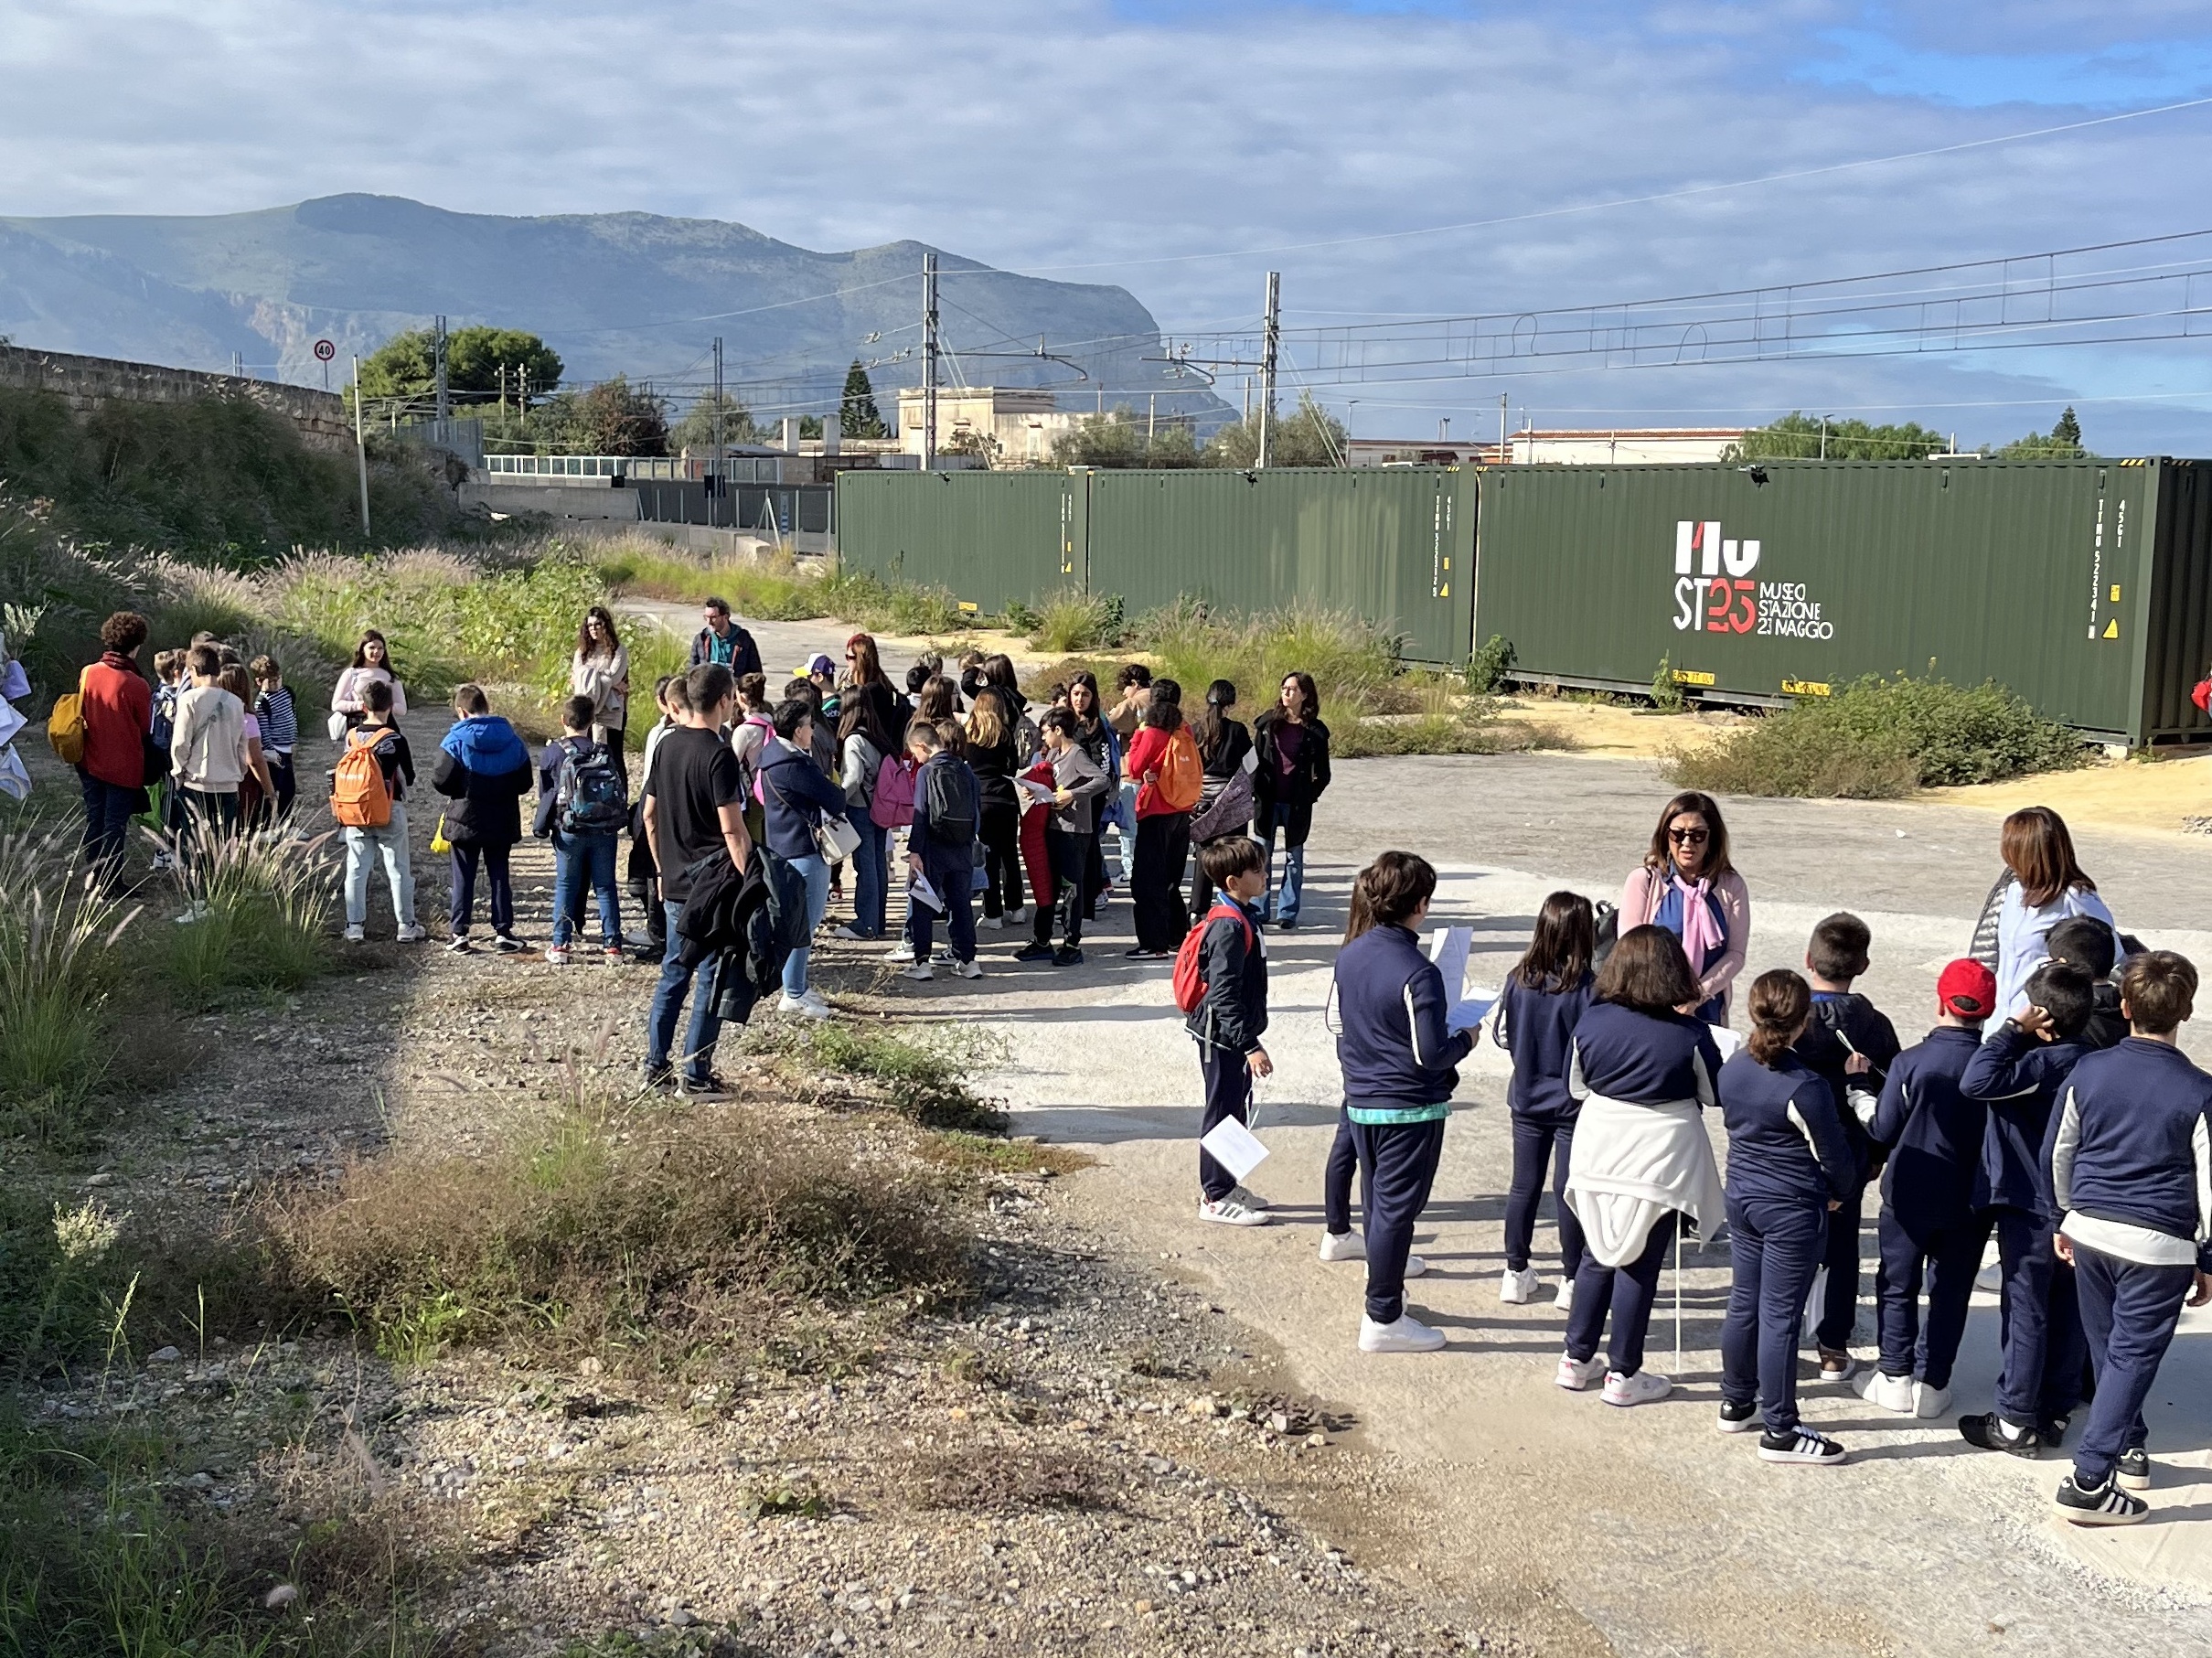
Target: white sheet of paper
923, 893
1035, 791
1470, 1011
1449, 947
1728, 1041
1235, 1146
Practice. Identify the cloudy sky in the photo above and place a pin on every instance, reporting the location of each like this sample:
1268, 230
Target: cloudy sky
1181, 148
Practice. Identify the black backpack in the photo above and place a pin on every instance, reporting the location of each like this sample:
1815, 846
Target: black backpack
948, 798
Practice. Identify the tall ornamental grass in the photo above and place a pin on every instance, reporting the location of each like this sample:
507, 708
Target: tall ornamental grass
57, 938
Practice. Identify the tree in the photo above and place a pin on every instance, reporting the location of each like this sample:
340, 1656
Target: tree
695, 431
2062, 444
858, 415
1805, 437
610, 419
478, 362
1116, 440
966, 440
1308, 436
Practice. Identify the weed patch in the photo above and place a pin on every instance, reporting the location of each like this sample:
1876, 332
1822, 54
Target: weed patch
921, 1072
265, 926
57, 972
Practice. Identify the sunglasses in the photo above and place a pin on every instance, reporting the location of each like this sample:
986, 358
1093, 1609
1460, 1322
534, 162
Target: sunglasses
1689, 837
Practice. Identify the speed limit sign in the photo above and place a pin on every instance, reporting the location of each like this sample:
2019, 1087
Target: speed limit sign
325, 350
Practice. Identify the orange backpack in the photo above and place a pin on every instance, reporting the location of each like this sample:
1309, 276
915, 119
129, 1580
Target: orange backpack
358, 796
1183, 777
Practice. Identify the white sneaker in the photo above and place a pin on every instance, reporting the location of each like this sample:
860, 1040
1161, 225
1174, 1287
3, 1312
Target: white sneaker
1403, 1335
921, 972
1641, 1389
353, 935
993, 921
1565, 1300
1799, 1444
1576, 1374
809, 1006
1014, 918
196, 911
558, 955
1885, 1392
1928, 1403
1837, 1365
970, 968
1416, 1266
900, 951
1342, 1247
1251, 1199
817, 1006
1514, 1288
1228, 1212
413, 935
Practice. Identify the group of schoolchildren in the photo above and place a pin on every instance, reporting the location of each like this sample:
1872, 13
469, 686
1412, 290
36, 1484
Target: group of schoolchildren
2055, 1114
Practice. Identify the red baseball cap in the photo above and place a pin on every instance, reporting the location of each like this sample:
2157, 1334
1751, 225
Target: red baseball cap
1968, 989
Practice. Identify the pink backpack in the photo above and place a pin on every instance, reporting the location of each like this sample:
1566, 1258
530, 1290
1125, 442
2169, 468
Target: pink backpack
894, 806
767, 736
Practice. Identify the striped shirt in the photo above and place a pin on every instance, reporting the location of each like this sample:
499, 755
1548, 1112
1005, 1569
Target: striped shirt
279, 720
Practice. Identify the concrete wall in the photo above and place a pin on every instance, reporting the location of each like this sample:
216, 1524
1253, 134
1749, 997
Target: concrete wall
86, 382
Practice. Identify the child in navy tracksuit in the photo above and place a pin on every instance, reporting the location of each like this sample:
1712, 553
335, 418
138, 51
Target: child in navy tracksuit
1931, 1133
1231, 1016
2132, 1180
1789, 1167
1542, 999
2020, 1072
1850, 1045
1398, 1057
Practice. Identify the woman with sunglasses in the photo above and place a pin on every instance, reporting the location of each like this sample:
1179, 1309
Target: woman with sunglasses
1687, 885
600, 669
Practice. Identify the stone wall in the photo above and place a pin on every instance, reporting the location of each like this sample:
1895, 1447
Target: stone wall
85, 382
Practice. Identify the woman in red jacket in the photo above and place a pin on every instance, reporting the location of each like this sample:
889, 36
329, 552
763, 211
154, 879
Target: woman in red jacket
1163, 831
118, 715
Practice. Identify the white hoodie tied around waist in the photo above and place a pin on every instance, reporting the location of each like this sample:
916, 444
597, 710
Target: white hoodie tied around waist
1632, 1163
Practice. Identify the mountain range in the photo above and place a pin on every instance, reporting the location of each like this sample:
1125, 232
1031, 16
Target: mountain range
634, 294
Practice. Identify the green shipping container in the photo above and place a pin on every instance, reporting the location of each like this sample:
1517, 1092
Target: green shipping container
2084, 585
991, 537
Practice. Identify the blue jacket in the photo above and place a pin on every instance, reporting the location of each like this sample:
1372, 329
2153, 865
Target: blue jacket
1643, 1059
794, 795
1233, 1012
1785, 1143
2133, 1142
483, 768
2020, 1076
1537, 1027
1397, 1057
1932, 1132
922, 839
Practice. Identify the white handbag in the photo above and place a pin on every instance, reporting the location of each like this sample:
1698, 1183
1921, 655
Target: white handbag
835, 839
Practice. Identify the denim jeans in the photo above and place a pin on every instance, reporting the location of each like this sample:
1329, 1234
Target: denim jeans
582, 861
1291, 823
870, 875
816, 872
501, 895
698, 1055
107, 823
364, 845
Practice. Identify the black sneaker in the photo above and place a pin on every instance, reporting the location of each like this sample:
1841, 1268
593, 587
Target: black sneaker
661, 1080
459, 945
1738, 1419
1068, 957
2106, 1504
506, 943
2134, 1470
1799, 1444
2054, 1429
1992, 1432
1034, 952
709, 1086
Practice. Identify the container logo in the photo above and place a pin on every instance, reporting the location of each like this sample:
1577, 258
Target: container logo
1714, 591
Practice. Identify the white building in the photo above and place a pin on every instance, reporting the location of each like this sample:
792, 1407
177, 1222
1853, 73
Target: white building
1021, 422
1623, 446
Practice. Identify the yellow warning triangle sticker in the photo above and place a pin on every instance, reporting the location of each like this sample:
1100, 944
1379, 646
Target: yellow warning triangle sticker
2111, 628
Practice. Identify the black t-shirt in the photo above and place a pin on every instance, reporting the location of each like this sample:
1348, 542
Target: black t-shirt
694, 776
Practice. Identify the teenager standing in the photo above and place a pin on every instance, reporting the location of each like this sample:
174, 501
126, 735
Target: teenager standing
1094, 734
386, 842
600, 669
1224, 754
371, 663
209, 750
1161, 746
1070, 836
796, 797
994, 755
1228, 1023
1544, 999
1291, 746
483, 768
864, 742
1687, 885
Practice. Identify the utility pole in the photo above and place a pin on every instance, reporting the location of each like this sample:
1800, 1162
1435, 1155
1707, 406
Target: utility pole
1272, 337
929, 362
360, 446
445, 407
1152, 417
1823, 437
502, 373
714, 469
1502, 456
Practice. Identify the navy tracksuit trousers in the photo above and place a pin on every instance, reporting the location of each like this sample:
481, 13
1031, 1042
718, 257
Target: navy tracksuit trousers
1774, 1248
1536, 1142
1336, 1177
1951, 1256
1228, 1080
1397, 1167
1840, 1297
2128, 1311
1627, 1293
2038, 1322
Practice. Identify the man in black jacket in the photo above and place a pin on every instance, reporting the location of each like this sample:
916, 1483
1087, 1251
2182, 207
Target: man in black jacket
1230, 1018
723, 640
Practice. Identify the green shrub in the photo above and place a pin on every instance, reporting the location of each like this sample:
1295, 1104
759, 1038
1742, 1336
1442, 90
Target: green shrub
58, 970
1352, 661
1881, 738
266, 923
1069, 621
1667, 696
1487, 668
922, 1071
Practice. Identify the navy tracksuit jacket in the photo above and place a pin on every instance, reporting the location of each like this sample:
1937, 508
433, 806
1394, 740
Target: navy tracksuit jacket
1227, 1025
1933, 1134
1537, 1027
1843, 1023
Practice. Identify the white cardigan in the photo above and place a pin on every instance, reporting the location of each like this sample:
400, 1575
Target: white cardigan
1634, 1161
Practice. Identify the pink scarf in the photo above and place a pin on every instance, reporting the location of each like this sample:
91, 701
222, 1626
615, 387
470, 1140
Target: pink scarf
1700, 932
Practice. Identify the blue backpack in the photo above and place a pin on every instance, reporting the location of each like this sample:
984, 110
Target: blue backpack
588, 794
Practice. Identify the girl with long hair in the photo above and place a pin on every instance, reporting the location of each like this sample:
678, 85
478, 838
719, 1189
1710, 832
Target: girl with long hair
994, 755
1640, 1071
937, 701
371, 661
864, 740
1544, 999
2047, 886
1224, 750
1789, 1165
1163, 827
863, 680
1291, 746
1095, 736
1687, 885
600, 669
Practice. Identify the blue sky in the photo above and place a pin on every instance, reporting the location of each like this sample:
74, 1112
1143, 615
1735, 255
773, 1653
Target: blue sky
1106, 140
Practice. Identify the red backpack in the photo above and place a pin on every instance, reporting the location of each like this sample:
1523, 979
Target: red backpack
1190, 988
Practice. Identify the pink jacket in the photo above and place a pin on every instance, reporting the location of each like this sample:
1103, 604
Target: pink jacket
1640, 901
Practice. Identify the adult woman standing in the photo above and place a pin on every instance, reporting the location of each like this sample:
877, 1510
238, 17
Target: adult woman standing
1641, 1073
1687, 885
600, 671
1163, 827
1291, 745
371, 662
1225, 751
864, 741
2047, 886
864, 680
994, 756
